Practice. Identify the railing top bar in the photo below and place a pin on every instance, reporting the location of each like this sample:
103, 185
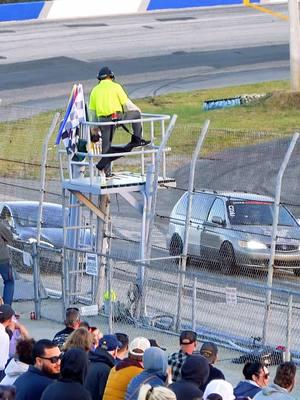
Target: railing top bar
149, 118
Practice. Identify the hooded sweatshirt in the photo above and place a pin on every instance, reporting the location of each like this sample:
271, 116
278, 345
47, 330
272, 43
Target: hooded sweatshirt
100, 365
194, 373
155, 366
73, 371
273, 392
14, 369
246, 388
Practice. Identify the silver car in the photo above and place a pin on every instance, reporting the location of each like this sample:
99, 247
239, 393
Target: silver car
234, 229
22, 217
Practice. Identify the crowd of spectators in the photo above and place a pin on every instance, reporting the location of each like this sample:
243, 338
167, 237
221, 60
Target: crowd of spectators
82, 363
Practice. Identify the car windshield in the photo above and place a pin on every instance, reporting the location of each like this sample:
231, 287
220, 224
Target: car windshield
257, 213
26, 216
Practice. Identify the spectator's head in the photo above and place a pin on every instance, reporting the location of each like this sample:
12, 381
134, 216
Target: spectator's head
188, 341
257, 372
47, 357
110, 344
147, 392
96, 334
72, 319
209, 350
24, 350
81, 338
285, 375
74, 365
220, 387
214, 396
195, 369
105, 73
6, 314
137, 348
7, 392
84, 324
156, 360
124, 340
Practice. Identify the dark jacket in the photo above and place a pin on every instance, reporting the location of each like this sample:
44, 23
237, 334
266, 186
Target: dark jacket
246, 388
214, 373
73, 372
99, 368
194, 373
31, 384
61, 336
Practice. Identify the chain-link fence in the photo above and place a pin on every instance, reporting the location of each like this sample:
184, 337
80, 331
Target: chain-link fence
218, 294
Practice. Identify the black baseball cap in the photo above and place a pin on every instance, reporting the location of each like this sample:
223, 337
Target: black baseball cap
188, 337
209, 350
6, 312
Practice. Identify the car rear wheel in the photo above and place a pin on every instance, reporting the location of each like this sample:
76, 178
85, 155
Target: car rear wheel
227, 258
176, 245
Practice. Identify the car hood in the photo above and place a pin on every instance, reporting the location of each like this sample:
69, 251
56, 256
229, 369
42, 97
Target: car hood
51, 235
265, 231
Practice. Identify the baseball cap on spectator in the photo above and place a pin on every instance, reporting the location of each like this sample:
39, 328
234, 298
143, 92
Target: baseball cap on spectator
188, 337
109, 343
221, 387
153, 343
209, 350
138, 345
6, 312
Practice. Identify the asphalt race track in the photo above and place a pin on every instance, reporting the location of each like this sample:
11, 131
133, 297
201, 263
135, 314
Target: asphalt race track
151, 54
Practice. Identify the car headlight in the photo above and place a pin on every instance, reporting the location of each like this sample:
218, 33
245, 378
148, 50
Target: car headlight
252, 244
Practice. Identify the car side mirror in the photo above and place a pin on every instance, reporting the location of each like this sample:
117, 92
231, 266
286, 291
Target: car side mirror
218, 221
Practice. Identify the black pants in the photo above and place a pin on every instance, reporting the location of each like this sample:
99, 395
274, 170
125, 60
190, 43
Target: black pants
107, 134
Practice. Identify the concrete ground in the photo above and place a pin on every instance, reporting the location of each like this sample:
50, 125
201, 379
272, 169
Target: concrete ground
46, 329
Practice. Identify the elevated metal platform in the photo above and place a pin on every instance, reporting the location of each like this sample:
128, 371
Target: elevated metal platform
121, 181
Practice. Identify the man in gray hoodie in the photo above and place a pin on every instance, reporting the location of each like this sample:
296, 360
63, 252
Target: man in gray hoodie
284, 383
6, 237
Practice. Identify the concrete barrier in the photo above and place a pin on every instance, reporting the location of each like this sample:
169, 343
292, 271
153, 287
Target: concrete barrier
58, 9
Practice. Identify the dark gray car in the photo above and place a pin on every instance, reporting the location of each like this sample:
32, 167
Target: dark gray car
234, 229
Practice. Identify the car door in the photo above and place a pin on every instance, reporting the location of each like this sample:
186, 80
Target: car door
201, 203
212, 233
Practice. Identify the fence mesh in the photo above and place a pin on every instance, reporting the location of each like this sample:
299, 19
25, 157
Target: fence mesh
217, 302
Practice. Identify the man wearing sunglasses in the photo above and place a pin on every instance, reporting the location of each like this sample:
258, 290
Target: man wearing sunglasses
46, 368
256, 377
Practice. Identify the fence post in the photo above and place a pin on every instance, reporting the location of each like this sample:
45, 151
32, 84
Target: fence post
274, 235
36, 281
182, 263
194, 303
287, 355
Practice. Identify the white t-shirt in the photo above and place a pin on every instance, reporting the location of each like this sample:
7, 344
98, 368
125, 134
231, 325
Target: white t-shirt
4, 347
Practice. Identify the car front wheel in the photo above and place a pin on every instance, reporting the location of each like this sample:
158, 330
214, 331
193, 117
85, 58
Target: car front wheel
227, 258
176, 245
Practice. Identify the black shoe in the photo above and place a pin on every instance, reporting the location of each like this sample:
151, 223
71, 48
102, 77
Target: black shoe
139, 142
109, 175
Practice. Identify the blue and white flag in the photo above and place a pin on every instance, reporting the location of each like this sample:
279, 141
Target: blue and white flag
75, 114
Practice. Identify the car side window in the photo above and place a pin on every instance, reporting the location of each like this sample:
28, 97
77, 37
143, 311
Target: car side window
201, 204
217, 210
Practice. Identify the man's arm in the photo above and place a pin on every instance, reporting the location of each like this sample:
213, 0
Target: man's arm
6, 234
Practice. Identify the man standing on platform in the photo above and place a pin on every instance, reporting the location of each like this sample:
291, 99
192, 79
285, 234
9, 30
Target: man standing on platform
109, 102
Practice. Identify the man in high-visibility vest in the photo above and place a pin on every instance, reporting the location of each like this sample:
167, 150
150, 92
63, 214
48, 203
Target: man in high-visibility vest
109, 102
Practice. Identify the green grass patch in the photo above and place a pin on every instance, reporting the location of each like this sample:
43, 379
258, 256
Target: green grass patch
230, 127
